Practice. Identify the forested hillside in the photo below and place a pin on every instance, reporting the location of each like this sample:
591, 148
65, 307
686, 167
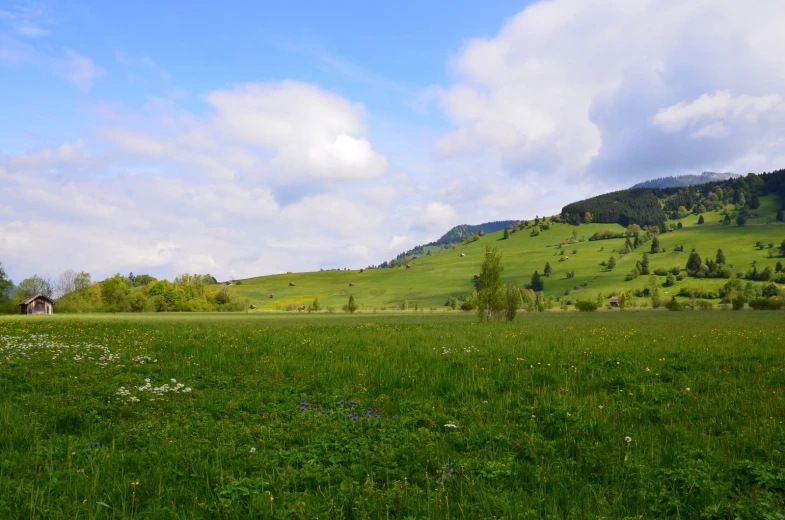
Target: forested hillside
652, 207
685, 180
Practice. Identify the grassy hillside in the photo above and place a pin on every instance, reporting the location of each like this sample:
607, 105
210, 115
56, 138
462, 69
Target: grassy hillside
432, 279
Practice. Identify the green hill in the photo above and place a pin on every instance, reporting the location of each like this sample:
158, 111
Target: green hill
432, 279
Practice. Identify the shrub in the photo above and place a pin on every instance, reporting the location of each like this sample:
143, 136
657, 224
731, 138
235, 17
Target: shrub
661, 271
586, 306
704, 305
766, 304
674, 305
738, 304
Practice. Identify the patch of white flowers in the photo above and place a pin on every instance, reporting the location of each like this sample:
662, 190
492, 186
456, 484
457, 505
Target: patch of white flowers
36, 346
144, 360
468, 350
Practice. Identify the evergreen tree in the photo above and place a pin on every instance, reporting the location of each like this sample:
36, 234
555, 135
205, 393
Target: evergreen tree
547, 271
701, 220
727, 219
351, 306
694, 262
537, 284
741, 219
644, 267
720, 257
679, 225
628, 244
779, 215
655, 244
611, 263
778, 268
506, 233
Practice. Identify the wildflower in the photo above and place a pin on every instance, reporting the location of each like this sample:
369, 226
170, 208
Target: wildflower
369, 412
187, 389
253, 450
73, 453
353, 416
688, 388
450, 425
135, 483
628, 439
277, 402
173, 381
340, 403
95, 444
601, 407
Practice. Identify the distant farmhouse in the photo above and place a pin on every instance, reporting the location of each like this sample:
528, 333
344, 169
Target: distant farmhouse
38, 304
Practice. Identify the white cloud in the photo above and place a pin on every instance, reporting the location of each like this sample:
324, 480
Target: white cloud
438, 216
309, 132
568, 87
718, 108
511, 195
80, 70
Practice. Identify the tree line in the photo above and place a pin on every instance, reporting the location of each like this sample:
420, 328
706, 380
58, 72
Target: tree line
76, 292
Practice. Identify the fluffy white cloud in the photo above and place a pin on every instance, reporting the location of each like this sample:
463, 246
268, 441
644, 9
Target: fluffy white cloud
512, 195
616, 86
438, 216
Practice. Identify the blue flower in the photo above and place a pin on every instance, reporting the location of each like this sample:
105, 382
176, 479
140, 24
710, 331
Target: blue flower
95, 444
340, 403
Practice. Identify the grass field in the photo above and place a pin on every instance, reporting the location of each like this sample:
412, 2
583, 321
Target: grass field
433, 279
556, 415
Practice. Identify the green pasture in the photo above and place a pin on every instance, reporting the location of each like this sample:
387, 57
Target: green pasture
418, 415
433, 279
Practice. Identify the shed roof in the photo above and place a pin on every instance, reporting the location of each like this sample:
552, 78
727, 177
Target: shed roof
32, 298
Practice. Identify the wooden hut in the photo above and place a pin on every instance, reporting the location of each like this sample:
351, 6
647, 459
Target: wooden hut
614, 301
38, 304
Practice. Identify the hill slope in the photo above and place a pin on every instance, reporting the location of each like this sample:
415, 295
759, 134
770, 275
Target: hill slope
443, 274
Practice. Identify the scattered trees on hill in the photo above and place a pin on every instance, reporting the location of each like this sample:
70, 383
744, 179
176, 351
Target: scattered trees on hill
720, 257
611, 263
548, 270
655, 244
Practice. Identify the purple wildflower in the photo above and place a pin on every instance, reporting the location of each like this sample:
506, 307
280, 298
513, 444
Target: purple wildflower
95, 444
369, 412
340, 403
354, 403
353, 416
377, 414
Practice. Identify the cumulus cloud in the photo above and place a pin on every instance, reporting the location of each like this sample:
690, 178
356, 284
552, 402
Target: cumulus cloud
614, 88
438, 216
168, 192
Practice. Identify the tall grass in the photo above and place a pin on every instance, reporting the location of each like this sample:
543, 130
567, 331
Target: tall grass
615, 415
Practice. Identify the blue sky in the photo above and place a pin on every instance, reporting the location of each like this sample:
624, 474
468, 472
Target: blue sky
248, 138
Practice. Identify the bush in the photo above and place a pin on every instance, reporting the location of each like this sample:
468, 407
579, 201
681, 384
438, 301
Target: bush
738, 304
661, 271
704, 305
586, 306
766, 304
674, 305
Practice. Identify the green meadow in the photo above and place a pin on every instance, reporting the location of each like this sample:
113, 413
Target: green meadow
434, 278
419, 415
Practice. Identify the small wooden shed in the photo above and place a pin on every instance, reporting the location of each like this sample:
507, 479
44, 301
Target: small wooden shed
38, 304
614, 301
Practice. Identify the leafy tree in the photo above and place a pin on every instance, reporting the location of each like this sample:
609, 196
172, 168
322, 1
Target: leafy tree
669, 280
701, 220
655, 244
628, 244
780, 216
726, 220
5, 283
741, 219
351, 306
588, 218
512, 301
489, 284
782, 248
33, 286
694, 262
679, 225
611, 263
643, 265
720, 257
548, 270
315, 306
778, 268
537, 284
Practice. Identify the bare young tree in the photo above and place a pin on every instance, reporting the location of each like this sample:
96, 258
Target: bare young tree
70, 281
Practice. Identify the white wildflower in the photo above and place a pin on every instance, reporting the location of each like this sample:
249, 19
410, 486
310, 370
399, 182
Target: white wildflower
628, 439
253, 450
450, 425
